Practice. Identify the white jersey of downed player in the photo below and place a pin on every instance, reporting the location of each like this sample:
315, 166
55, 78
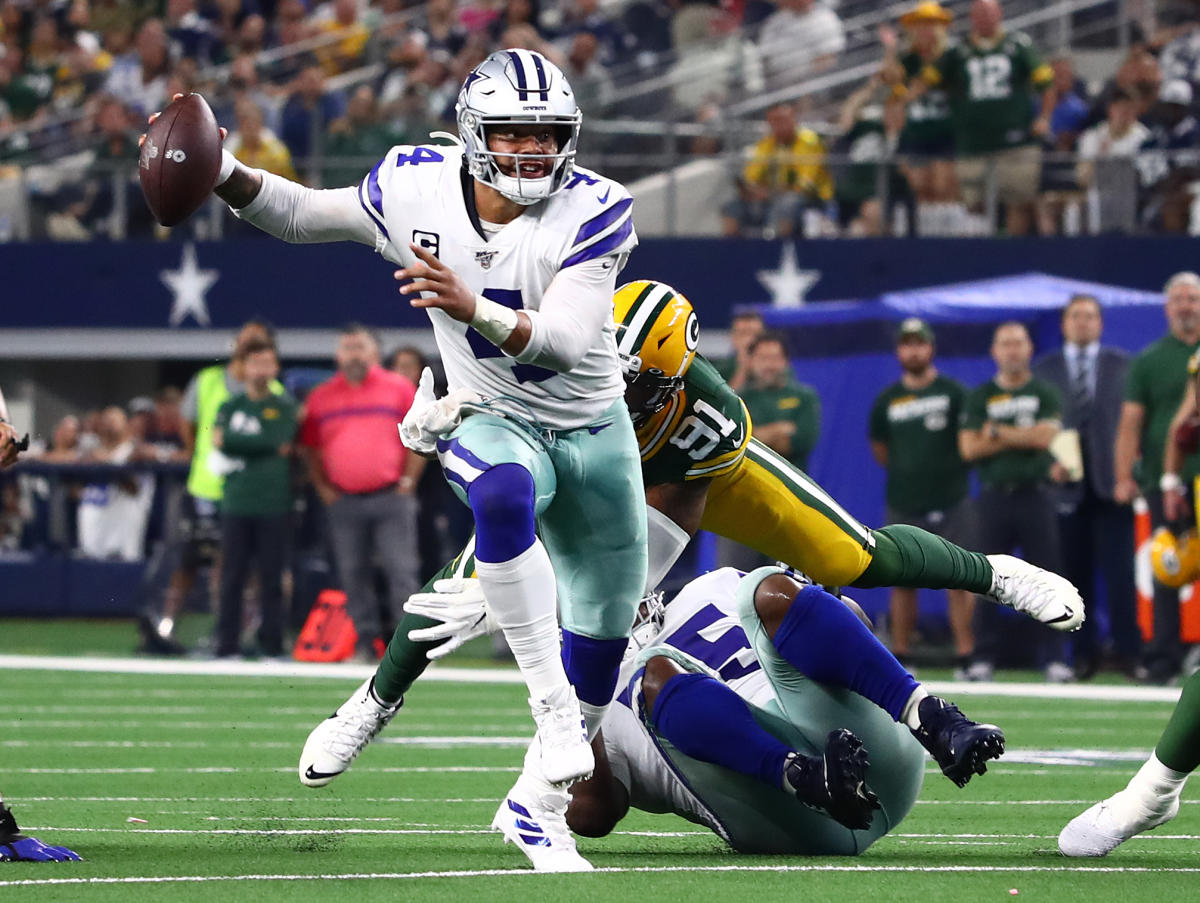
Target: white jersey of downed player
423, 195
702, 621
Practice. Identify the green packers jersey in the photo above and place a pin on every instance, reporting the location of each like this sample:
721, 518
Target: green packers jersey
1035, 401
701, 433
1157, 380
920, 429
260, 483
927, 125
991, 91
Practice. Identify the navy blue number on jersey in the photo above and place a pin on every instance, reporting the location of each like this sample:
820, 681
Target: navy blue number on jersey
719, 654
418, 156
524, 373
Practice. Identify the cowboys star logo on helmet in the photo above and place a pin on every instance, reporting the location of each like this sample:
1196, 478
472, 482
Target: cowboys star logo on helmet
657, 337
518, 87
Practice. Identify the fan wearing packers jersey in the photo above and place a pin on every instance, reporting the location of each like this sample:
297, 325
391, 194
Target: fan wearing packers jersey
513, 252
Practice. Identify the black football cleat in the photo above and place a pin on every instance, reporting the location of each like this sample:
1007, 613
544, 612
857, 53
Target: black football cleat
836, 782
959, 745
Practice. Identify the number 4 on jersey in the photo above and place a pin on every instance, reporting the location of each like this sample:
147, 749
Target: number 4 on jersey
419, 155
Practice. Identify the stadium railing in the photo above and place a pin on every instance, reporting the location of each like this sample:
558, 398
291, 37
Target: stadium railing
679, 192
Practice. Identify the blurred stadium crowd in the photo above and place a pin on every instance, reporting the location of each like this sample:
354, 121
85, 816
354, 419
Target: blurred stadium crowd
936, 140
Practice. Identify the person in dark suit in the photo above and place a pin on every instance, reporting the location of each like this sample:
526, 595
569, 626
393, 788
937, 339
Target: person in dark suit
1096, 531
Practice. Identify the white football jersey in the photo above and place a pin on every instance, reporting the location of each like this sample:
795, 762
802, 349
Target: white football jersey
702, 621
423, 195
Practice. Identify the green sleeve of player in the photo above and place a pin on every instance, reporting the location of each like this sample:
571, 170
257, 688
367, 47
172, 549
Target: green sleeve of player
716, 431
974, 412
877, 428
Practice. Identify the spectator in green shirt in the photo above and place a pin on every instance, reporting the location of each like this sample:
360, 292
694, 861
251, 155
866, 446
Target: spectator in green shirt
744, 328
1008, 424
1157, 380
253, 434
990, 78
786, 415
914, 436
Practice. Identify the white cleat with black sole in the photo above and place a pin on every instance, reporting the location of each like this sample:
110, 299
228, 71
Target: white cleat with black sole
337, 741
1111, 822
1041, 594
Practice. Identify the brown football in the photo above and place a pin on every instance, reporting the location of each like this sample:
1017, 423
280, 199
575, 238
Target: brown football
180, 159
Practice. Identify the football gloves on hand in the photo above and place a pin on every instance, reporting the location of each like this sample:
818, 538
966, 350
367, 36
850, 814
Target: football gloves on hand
458, 603
430, 417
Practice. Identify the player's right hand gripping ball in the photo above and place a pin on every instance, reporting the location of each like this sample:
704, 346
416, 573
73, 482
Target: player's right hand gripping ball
180, 159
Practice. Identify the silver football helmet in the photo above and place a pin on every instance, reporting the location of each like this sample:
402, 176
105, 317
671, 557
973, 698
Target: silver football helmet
518, 86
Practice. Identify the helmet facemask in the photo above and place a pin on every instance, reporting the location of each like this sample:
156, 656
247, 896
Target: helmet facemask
647, 391
509, 101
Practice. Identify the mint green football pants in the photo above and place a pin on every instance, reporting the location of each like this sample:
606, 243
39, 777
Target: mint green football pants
589, 503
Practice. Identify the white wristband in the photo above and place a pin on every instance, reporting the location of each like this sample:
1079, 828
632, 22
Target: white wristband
493, 321
1170, 482
228, 162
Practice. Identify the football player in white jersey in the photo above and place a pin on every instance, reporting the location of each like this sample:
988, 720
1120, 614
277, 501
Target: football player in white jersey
749, 704
514, 254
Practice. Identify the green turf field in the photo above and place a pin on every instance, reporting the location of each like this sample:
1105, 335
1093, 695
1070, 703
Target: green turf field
209, 764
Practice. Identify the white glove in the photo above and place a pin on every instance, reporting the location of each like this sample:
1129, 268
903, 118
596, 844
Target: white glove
459, 604
430, 417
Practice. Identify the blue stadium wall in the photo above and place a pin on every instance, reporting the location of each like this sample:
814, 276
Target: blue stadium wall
119, 286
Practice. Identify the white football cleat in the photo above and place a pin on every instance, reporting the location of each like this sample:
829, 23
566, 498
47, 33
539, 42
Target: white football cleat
534, 817
337, 741
1111, 822
1039, 593
566, 755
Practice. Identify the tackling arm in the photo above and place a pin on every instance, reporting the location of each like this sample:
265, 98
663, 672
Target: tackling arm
673, 515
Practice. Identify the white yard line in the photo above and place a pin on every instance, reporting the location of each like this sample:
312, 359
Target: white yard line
245, 669
1095, 692
666, 869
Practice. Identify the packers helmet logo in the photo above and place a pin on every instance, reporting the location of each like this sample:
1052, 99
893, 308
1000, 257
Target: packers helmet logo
691, 332
657, 336
1175, 560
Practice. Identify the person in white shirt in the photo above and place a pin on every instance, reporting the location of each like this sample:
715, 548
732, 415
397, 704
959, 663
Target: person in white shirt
803, 37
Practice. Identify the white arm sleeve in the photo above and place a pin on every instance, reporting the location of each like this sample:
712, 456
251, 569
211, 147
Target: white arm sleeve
575, 308
304, 215
667, 540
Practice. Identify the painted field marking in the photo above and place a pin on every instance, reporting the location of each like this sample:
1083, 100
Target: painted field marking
666, 869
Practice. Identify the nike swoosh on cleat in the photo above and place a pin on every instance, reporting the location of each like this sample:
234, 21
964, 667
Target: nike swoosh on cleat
319, 775
603, 199
595, 429
1063, 617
